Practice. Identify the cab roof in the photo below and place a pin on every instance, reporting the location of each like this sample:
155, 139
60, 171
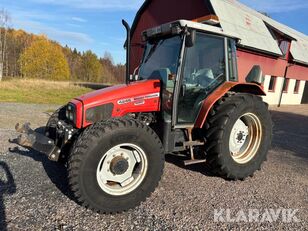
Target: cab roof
167, 27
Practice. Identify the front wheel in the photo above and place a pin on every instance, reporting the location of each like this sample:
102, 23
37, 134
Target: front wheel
238, 133
115, 165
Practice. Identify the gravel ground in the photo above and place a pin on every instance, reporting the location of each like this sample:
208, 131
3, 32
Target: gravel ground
34, 193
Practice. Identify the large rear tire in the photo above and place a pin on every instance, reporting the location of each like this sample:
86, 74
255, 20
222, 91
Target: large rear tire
238, 134
114, 165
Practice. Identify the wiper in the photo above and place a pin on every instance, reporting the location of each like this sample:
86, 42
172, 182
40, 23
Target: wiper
153, 49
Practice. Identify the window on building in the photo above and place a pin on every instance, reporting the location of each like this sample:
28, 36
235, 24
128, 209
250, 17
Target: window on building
296, 87
286, 85
284, 47
272, 84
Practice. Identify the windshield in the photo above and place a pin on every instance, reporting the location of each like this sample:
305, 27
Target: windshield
161, 59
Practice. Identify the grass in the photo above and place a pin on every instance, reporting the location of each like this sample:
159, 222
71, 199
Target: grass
39, 91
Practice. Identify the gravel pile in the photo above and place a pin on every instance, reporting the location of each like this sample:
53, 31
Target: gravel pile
34, 193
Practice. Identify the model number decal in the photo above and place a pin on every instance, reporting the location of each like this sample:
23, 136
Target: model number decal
138, 99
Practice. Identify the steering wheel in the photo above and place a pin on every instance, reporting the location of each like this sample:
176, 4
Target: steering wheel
214, 81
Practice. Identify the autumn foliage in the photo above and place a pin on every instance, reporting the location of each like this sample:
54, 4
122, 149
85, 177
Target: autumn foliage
44, 60
35, 56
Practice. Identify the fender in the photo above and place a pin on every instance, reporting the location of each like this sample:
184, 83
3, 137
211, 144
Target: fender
209, 102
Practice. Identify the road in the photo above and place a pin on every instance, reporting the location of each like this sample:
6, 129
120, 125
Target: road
34, 193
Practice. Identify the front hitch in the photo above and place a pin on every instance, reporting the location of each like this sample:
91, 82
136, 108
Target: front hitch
36, 141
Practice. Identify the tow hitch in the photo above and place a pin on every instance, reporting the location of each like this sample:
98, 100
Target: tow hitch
36, 141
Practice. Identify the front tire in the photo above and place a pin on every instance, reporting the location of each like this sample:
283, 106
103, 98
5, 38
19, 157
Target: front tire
238, 134
114, 165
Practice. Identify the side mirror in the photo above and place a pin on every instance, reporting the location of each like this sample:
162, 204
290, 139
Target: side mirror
255, 75
190, 38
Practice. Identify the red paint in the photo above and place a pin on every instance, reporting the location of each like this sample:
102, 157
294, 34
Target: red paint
248, 20
124, 92
298, 72
269, 65
220, 92
79, 107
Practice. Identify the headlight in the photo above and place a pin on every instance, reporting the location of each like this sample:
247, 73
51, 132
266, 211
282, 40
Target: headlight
71, 113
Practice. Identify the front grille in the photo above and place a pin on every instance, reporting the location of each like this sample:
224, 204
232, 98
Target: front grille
99, 113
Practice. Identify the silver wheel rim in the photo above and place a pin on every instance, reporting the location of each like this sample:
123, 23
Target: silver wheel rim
245, 138
122, 169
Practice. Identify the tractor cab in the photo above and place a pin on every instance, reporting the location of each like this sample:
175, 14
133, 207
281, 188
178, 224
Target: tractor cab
191, 60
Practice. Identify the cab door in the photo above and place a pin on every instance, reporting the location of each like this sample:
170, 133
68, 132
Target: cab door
203, 70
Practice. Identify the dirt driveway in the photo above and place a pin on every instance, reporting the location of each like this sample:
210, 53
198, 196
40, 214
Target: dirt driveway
34, 193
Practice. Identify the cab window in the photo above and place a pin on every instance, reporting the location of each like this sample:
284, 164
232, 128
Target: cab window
204, 70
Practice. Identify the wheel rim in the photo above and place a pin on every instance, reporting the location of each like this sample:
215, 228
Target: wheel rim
245, 138
122, 169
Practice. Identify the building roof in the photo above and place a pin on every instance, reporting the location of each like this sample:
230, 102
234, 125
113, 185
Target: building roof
255, 33
252, 28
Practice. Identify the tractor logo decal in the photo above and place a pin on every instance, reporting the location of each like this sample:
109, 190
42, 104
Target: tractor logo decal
124, 101
139, 100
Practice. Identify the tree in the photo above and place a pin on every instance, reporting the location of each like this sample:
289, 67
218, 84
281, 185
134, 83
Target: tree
4, 24
108, 56
45, 60
112, 73
17, 41
91, 67
35, 56
74, 62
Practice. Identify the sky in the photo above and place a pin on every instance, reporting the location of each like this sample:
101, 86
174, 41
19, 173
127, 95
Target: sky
96, 24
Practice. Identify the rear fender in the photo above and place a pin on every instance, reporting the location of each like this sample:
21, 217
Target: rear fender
209, 102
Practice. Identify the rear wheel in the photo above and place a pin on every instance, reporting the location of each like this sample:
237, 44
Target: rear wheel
114, 165
238, 133
245, 138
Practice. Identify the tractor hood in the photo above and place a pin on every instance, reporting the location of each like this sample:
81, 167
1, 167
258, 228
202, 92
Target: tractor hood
120, 92
140, 96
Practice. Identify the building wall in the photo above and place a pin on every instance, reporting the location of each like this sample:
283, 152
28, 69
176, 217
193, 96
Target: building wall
289, 97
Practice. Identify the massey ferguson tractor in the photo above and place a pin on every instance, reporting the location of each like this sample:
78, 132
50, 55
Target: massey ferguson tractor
184, 98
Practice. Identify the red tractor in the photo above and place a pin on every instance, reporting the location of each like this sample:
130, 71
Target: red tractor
185, 97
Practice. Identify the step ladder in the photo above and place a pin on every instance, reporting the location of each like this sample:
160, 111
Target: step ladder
190, 144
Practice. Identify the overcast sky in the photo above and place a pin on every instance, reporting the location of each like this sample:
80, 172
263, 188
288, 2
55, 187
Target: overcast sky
96, 24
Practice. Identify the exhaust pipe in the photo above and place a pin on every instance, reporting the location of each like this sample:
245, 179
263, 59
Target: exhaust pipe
127, 27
